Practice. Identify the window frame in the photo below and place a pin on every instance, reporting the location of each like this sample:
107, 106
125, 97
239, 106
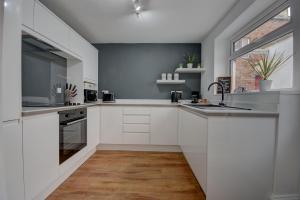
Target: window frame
271, 12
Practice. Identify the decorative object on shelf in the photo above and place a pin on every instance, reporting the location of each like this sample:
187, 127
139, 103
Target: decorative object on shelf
163, 76
198, 65
70, 93
176, 76
226, 82
169, 77
190, 70
264, 65
190, 59
180, 65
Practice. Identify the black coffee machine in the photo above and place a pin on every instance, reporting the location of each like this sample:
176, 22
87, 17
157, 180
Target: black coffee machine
176, 96
195, 96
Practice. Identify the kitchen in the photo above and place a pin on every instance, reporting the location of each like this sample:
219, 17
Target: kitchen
150, 99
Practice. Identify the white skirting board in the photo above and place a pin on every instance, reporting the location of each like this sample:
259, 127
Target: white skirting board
285, 197
61, 179
157, 148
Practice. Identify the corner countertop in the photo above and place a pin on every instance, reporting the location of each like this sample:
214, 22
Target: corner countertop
29, 111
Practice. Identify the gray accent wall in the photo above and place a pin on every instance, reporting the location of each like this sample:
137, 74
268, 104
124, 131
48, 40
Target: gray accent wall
131, 70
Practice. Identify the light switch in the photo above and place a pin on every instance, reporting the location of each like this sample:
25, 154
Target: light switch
58, 90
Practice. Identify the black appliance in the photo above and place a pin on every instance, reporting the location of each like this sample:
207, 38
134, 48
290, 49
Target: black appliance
72, 132
195, 96
176, 96
90, 96
108, 96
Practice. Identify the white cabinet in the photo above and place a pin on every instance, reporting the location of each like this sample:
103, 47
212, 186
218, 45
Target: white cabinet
27, 13
142, 125
11, 62
111, 125
93, 127
164, 130
193, 142
41, 153
11, 162
50, 26
90, 64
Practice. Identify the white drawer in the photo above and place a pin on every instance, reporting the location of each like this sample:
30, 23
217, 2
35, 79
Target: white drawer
136, 128
136, 138
136, 111
136, 119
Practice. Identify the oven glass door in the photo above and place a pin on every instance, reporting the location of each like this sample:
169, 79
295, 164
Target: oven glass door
73, 137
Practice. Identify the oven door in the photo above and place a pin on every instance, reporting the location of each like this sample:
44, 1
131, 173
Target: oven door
73, 137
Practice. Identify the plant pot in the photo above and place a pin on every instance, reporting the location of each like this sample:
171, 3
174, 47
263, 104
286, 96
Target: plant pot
265, 85
190, 65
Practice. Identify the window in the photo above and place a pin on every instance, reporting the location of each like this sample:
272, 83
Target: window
271, 25
271, 36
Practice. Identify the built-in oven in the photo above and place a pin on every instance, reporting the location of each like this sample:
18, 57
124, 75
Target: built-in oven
72, 132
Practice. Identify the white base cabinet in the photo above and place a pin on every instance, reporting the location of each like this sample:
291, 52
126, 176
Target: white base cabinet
193, 142
139, 125
111, 125
11, 161
41, 153
93, 127
232, 157
164, 126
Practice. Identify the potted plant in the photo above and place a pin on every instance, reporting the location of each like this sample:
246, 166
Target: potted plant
190, 60
264, 65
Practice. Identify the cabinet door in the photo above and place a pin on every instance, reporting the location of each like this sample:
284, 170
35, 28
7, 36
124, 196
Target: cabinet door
164, 130
49, 25
90, 64
12, 163
76, 43
93, 127
111, 125
193, 142
27, 13
11, 62
41, 153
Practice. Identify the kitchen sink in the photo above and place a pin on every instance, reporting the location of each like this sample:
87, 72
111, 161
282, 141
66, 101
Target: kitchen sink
216, 107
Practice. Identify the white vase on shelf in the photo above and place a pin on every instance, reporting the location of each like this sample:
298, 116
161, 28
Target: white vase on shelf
190, 65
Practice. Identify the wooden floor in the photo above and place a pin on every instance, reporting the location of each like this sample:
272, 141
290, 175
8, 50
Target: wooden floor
116, 175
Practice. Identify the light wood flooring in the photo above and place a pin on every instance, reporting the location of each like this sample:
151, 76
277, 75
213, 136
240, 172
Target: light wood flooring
122, 175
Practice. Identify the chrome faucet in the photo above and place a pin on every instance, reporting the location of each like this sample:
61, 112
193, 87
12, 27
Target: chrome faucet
221, 85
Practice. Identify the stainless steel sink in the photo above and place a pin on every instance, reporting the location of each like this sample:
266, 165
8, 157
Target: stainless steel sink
216, 107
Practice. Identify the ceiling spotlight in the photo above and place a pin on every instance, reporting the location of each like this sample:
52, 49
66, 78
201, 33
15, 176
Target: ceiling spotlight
137, 4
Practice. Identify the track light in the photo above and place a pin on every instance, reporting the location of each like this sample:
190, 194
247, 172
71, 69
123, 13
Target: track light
138, 7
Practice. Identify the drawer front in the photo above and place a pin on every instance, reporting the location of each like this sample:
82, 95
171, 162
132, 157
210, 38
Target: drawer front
136, 128
136, 111
136, 119
136, 138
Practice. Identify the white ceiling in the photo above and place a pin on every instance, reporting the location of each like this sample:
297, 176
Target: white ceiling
162, 21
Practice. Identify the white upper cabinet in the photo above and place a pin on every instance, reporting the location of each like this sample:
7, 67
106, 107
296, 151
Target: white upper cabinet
90, 64
50, 26
27, 13
164, 126
11, 62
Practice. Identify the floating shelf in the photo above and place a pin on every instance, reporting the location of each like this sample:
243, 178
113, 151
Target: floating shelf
171, 82
190, 70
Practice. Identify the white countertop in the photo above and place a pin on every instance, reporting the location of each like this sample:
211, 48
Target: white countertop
27, 111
